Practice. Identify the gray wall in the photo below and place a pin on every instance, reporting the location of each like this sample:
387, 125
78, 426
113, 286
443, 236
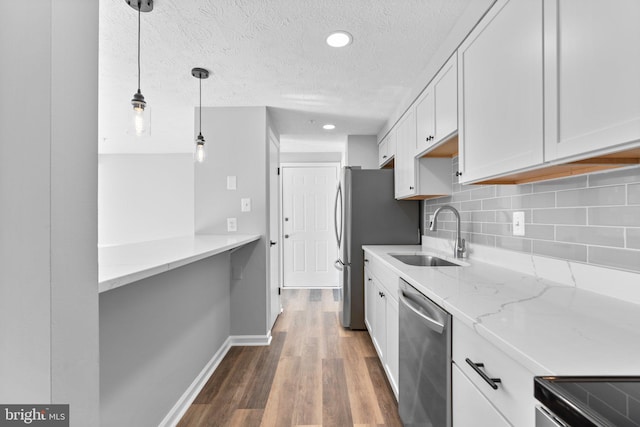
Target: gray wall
592, 218
48, 199
362, 150
238, 147
156, 336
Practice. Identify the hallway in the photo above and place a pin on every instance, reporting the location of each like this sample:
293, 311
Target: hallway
314, 373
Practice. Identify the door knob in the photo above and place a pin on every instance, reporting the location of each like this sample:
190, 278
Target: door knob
286, 236
272, 243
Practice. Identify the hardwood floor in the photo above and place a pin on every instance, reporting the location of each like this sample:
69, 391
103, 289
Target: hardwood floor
314, 373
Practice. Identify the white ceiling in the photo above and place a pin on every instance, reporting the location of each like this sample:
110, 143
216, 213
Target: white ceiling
264, 52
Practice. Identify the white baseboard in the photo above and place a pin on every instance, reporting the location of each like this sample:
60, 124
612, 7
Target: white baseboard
250, 340
182, 405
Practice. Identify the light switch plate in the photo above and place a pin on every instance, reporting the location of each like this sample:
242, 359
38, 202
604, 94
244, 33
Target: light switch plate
518, 223
232, 224
245, 205
231, 182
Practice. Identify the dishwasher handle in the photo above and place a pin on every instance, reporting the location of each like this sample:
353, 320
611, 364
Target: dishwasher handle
431, 323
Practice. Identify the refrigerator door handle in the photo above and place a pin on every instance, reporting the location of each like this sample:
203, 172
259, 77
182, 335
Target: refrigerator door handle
335, 215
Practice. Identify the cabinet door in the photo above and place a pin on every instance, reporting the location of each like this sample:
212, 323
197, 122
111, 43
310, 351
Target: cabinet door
383, 151
379, 322
405, 172
500, 98
370, 295
425, 120
445, 91
592, 75
393, 336
470, 407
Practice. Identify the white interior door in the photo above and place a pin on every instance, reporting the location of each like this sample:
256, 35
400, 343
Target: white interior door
309, 247
274, 231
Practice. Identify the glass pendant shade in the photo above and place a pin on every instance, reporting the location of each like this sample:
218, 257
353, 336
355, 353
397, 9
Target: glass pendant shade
200, 153
139, 122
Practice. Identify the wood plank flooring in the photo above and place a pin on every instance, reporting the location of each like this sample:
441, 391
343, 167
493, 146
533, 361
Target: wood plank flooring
314, 373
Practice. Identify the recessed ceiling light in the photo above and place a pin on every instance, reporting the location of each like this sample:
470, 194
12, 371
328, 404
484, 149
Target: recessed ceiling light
329, 126
339, 39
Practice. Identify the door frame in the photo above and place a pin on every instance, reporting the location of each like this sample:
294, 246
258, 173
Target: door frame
274, 289
338, 166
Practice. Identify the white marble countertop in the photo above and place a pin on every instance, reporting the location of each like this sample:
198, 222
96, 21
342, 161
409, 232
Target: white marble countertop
124, 264
548, 327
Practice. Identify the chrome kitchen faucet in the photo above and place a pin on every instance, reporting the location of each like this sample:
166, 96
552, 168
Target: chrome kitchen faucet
458, 251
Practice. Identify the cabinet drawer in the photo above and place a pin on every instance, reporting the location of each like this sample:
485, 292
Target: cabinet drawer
514, 395
387, 278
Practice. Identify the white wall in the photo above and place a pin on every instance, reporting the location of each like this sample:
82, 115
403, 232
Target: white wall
238, 146
310, 157
144, 197
362, 150
156, 335
48, 205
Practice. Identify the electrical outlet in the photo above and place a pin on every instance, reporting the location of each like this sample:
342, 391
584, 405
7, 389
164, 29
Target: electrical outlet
245, 205
430, 220
518, 223
232, 224
231, 183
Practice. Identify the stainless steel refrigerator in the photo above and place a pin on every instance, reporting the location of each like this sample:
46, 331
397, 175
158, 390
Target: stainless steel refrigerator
367, 213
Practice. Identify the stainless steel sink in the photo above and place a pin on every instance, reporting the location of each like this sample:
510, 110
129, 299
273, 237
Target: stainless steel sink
424, 260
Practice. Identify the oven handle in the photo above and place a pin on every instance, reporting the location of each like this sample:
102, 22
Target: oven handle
431, 323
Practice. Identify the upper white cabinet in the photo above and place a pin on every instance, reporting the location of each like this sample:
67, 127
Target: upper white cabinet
592, 75
437, 108
405, 162
418, 178
387, 150
549, 88
500, 98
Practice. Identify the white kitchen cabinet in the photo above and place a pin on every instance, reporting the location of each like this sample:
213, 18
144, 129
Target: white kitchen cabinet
592, 76
425, 120
500, 98
437, 108
392, 359
470, 407
405, 162
513, 395
387, 150
369, 300
418, 178
382, 316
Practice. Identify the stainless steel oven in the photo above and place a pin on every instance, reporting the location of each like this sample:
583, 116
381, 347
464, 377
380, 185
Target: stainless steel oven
425, 360
587, 401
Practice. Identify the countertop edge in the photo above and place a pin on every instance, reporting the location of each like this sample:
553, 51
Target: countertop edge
209, 245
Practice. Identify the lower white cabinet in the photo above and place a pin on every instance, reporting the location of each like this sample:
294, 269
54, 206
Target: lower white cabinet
512, 396
382, 316
470, 407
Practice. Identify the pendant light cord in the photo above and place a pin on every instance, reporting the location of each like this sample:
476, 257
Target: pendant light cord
139, 9
200, 125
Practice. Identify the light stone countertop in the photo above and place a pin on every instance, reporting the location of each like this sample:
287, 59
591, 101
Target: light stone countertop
123, 264
548, 327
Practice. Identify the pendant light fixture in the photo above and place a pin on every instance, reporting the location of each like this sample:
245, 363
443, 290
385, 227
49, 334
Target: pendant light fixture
138, 101
200, 154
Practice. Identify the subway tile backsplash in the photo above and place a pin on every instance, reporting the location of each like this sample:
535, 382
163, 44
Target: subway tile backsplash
594, 219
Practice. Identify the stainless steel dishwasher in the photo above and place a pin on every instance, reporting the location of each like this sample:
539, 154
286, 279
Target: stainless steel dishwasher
424, 397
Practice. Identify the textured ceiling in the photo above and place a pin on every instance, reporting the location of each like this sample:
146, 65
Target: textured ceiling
264, 52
